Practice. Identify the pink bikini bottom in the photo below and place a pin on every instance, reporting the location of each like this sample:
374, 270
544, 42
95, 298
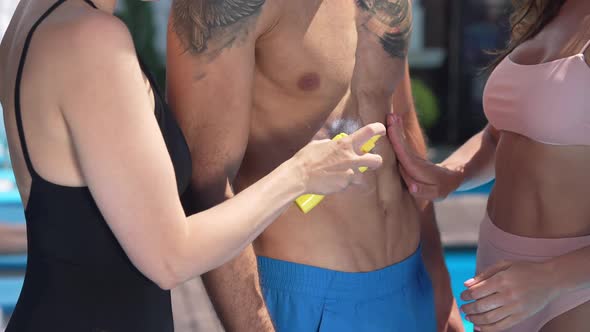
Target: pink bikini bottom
496, 245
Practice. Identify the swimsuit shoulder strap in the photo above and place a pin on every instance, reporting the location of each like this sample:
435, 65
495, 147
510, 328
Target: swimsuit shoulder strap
18, 83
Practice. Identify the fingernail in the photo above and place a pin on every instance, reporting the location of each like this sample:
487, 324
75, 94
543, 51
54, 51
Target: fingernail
469, 282
467, 318
414, 188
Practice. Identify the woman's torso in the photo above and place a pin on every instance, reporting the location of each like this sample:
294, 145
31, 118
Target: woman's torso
537, 99
78, 277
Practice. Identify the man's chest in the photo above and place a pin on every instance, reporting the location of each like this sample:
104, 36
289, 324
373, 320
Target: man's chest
304, 66
310, 50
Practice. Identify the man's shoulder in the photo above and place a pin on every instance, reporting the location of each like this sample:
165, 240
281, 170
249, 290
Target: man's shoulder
209, 25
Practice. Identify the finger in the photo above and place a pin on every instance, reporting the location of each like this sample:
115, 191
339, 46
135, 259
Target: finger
395, 133
502, 324
350, 173
419, 189
349, 177
363, 135
369, 160
491, 317
408, 179
389, 121
488, 273
357, 179
482, 289
416, 166
486, 304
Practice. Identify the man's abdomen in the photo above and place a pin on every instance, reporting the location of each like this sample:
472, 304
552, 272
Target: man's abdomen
365, 228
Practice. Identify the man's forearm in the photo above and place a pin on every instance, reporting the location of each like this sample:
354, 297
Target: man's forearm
429, 234
447, 313
235, 292
234, 288
432, 251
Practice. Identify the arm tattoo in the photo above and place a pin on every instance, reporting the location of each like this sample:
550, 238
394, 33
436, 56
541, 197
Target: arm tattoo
196, 22
391, 21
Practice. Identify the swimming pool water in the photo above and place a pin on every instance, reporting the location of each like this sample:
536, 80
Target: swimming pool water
461, 265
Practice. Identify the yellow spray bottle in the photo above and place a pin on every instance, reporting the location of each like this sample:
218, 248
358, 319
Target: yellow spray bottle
307, 202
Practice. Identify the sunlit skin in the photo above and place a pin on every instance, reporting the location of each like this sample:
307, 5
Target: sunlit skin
541, 191
87, 111
250, 92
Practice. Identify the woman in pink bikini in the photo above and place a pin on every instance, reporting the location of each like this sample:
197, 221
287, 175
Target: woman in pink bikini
533, 264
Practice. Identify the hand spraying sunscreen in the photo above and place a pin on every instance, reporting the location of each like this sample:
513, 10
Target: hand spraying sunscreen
307, 202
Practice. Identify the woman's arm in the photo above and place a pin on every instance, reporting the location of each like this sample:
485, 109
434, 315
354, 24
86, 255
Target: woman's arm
468, 167
13, 239
475, 158
125, 163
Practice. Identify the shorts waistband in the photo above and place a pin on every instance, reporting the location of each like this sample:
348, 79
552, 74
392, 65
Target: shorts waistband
301, 278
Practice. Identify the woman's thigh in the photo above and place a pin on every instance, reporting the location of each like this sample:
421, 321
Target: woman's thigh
575, 320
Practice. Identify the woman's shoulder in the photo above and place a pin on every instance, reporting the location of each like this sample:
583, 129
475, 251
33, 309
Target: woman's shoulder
90, 51
84, 45
90, 35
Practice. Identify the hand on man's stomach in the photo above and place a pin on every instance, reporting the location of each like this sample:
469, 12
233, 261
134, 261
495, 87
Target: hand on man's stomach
367, 227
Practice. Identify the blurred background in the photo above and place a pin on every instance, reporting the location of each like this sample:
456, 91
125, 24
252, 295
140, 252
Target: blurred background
447, 57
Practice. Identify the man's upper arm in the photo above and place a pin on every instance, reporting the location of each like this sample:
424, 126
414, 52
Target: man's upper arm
211, 46
384, 28
403, 104
390, 21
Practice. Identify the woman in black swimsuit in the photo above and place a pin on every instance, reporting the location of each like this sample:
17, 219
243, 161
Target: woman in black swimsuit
100, 176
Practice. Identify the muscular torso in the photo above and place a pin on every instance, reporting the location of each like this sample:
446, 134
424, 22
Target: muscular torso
541, 191
304, 66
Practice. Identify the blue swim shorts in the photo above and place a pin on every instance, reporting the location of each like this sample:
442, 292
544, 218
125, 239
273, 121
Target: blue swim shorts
303, 298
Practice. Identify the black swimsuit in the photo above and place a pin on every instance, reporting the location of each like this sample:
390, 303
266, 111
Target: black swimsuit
78, 277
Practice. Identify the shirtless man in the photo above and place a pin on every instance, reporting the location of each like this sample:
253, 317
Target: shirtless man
251, 82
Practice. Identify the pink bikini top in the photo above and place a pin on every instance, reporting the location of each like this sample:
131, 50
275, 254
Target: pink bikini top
547, 102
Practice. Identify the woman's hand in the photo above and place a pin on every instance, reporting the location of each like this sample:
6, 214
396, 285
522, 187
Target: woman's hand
424, 179
508, 293
331, 166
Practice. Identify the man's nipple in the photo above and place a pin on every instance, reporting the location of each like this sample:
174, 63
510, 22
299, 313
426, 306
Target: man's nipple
309, 82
